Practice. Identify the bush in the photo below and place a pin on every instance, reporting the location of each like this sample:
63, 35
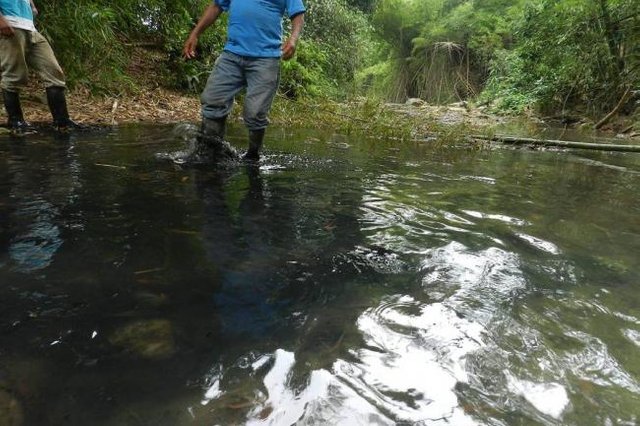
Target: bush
342, 35
569, 54
304, 74
87, 43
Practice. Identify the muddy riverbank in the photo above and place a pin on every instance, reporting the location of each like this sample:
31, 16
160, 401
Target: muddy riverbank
412, 119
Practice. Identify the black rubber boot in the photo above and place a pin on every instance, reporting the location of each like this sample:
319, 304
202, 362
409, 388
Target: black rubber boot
213, 128
15, 119
209, 146
58, 106
255, 144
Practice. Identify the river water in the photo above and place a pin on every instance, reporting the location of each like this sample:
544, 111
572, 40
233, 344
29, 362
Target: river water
345, 281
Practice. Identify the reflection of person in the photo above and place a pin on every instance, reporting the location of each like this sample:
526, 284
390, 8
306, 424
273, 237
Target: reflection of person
250, 59
22, 46
34, 218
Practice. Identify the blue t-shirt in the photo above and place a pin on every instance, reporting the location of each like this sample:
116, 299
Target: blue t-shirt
18, 13
255, 26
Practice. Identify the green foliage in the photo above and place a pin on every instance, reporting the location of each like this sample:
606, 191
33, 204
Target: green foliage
95, 42
365, 6
569, 53
341, 33
86, 39
304, 74
362, 116
512, 89
192, 74
548, 54
94, 39
516, 54
440, 49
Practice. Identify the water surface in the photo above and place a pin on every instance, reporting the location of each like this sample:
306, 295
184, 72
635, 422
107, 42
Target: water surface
344, 281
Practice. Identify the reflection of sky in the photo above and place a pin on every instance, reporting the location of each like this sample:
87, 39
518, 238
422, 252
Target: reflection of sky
414, 357
34, 249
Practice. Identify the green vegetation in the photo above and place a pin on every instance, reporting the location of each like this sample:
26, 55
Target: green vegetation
515, 55
95, 41
567, 54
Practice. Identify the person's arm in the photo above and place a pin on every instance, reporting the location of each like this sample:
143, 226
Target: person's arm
289, 46
6, 30
34, 9
209, 16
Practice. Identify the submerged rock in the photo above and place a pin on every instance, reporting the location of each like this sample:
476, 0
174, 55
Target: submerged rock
151, 339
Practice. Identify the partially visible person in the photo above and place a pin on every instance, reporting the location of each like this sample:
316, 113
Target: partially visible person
23, 47
250, 60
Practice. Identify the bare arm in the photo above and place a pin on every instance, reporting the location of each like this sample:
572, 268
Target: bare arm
209, 16
34, 9
6, 30
289, 46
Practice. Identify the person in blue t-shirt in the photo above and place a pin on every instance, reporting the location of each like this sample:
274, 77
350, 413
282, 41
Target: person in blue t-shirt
21, 47
250, 59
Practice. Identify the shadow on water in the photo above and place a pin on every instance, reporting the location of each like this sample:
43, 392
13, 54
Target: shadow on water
343, 281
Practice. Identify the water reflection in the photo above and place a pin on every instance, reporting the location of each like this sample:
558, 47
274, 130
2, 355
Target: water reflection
44, 182
371, 284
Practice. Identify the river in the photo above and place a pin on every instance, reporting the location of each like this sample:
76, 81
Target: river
346, 281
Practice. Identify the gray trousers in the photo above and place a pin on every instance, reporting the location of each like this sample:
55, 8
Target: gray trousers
28, 49
231, 74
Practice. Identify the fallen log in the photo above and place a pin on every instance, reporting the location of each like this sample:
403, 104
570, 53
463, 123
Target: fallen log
558, 143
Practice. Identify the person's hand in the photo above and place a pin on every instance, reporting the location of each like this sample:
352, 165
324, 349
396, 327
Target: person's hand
189, 49
288, 49
6, 30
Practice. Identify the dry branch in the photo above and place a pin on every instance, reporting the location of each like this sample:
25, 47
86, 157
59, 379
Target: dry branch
621, 102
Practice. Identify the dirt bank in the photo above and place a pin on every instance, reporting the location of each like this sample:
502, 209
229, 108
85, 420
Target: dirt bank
161, 105
154, 105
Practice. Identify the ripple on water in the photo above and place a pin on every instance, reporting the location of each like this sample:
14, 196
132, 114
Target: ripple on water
498, 217
412, 361
415, 356
595, 364
539, 243
478, 283
633, 336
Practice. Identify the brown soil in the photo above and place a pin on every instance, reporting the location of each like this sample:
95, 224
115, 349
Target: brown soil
153, 105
